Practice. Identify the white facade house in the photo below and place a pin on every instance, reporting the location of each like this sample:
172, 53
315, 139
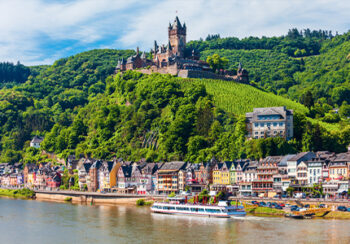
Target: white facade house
270, 122
36, 141
293, 162
249, 172
315, 171
302, 173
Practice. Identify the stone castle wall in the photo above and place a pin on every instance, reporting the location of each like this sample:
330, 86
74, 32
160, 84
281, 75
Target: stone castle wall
183, 73
202, 75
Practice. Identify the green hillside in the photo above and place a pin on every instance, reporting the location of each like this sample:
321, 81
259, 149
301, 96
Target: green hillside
81, 109
240, 98
269, 69
328, 74
310, 67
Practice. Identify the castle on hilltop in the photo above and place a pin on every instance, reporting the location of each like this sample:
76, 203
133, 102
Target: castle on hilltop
173, 59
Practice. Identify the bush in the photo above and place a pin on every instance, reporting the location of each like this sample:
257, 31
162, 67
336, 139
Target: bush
68, 199
148, 203
75, 188
24, 193
172, 194
140, 202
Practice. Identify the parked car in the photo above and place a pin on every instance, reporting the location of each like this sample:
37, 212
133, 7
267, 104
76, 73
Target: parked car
278, 207
284, 196
322, 205
294, 208
307, 206
342, 208
255, 202
282, 205
348, 209
262, 204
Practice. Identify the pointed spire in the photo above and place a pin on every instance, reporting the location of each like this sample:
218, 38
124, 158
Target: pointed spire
169, 46
155, 47
177, 23
137, 51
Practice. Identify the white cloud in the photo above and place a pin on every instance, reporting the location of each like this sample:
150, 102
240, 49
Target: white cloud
237, 18
24, 24
30, 29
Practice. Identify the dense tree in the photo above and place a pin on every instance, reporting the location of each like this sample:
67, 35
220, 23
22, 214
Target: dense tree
216, 62
79, 108
13, 73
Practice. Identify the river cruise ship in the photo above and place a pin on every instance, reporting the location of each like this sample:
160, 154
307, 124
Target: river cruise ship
178, 206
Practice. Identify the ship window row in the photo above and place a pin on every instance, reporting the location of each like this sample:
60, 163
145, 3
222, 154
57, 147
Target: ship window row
208, 210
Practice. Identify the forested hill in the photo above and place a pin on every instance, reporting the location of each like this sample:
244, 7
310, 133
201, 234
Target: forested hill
81, 109
291, 65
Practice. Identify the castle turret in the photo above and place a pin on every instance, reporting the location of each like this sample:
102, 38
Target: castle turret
177, 37
242, 74
155, 47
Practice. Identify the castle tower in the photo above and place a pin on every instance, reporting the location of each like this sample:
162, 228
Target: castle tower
177, 37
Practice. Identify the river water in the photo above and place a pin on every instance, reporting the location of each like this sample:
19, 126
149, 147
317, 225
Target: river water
27, 221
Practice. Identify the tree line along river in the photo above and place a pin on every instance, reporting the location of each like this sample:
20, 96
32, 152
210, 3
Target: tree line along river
27, 221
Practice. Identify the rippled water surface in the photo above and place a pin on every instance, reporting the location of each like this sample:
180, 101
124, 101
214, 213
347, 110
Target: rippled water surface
23, 221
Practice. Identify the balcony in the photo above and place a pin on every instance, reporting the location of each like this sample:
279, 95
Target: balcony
263, 181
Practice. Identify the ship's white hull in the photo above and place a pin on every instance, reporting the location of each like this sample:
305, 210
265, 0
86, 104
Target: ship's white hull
195, 210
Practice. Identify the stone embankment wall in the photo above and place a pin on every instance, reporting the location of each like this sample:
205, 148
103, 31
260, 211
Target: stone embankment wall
89, 199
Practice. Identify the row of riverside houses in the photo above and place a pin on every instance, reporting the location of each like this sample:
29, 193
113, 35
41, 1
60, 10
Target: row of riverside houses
42, 176
266, 177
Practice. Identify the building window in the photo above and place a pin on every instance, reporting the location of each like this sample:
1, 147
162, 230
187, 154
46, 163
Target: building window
275, 124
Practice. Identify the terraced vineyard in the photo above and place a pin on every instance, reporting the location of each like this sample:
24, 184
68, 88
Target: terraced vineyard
240, 98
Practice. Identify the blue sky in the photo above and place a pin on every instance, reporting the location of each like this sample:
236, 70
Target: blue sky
42, 31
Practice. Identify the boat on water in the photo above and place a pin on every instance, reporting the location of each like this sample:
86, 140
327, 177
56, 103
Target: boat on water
180, 206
